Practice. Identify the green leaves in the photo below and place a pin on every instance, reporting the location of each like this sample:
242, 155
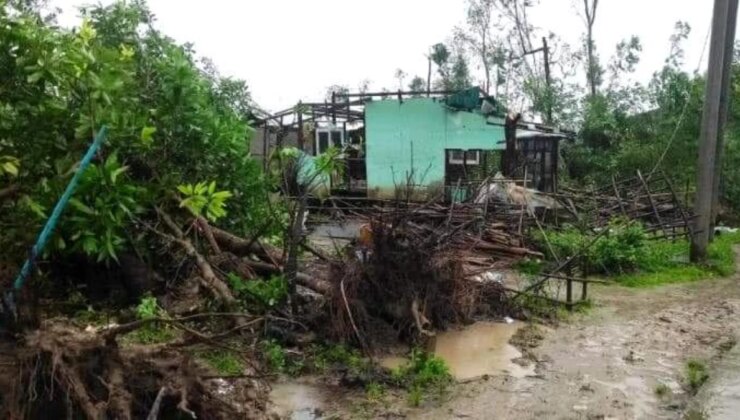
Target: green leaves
202, 199
174, 123
9, 165
147, 134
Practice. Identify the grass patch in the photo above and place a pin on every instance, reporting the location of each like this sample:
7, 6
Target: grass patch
375, 392
277, 360
662, 390
423, 375
323, 358
224, 362
696, 375
153, 332
667, 262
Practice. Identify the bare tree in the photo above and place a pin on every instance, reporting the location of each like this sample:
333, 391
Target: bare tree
479, 35
400, 75
593, 70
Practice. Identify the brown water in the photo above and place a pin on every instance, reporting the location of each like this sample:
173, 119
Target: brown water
297, 400
481, 349
722, 392
476, 350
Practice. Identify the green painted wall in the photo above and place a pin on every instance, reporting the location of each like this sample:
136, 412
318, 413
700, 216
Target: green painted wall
420, 130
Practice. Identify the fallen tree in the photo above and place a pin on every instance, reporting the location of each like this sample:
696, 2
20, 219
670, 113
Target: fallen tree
419, 270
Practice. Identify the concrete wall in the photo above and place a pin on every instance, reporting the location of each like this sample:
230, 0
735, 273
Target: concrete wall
411, 137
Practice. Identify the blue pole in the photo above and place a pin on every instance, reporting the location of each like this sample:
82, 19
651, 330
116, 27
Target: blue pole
61, 204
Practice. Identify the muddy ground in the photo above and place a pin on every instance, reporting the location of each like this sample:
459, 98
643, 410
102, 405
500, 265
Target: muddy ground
605, 364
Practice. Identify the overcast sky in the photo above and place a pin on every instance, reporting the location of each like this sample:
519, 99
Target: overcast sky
290, 50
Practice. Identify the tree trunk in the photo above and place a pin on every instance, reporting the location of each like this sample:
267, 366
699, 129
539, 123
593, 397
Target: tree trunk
294, 240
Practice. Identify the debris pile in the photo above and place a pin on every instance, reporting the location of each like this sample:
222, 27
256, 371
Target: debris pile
422, 267
650, 199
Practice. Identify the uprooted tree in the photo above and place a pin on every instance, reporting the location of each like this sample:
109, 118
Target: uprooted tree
151, 207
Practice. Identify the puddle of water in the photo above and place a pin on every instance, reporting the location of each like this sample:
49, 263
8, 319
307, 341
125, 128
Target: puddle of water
392, 362
479, 349
297, 401
723, 390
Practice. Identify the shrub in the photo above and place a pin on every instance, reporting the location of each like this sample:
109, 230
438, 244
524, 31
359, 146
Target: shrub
266, 293
696, 375
224, 362
153, 332
619, 250
424, 372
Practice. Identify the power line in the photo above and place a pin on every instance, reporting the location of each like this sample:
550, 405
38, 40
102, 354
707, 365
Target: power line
681, 116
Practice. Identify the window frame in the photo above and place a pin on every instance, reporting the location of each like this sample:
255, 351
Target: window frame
329, 131
465, 160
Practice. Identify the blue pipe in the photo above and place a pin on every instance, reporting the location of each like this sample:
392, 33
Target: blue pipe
58, 209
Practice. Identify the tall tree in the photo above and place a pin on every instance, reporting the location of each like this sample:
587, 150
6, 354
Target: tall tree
440, 57
478, 36
460, 75
418, 84
593, 69
400, 75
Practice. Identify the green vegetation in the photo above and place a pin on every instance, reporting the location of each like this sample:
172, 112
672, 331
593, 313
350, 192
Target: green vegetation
226, 363
696, 374
631, 259
275, 357
662, 390
375, 392
667, 262
323, 358
620, 250
152, 332
262, 293
175, 125
529, 266
424, 373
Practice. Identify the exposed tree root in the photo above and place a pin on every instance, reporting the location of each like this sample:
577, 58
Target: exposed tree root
61, 371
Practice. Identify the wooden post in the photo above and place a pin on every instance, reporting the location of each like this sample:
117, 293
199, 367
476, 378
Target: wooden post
619, 198
569, 293
684, 216
723, 109
584, 290
301, 140
333, 109
548, 80
652, 203
429, 76
265, 141
709, 132
509, 159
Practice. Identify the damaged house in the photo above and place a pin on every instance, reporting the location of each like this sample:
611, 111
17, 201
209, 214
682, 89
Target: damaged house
423, 143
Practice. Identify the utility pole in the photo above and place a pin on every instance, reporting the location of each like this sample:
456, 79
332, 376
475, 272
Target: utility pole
429, 76
723, 110
710, 130
548, 80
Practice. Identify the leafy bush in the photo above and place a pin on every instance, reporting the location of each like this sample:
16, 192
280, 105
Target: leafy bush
203, 200
265, 293
424, 372
324, 357
153, 332
278, 360
223, 361
619, 250
275, 356
172, 119
696, 375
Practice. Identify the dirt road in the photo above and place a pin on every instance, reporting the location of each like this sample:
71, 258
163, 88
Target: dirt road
607, 364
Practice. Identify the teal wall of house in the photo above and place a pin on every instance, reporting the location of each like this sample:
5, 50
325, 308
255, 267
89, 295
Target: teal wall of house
410, 137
